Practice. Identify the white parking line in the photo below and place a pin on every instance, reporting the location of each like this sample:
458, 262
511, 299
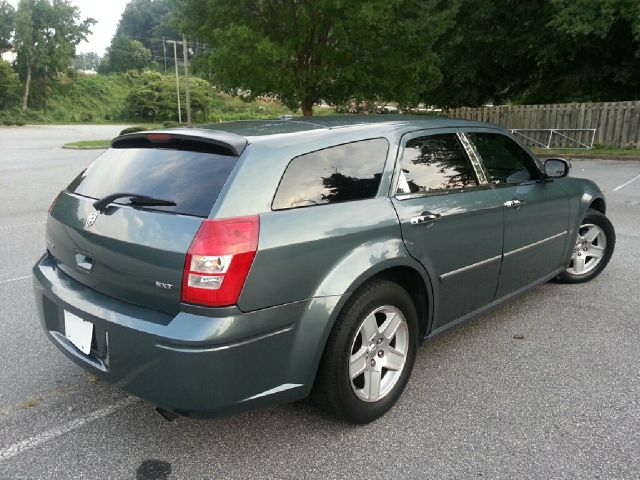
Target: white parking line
626, 183
22, 225
15, 279
53, 433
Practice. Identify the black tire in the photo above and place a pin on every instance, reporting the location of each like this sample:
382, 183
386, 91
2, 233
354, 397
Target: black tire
593, 217
333, 390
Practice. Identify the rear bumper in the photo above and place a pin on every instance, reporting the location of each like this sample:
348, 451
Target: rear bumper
207, 363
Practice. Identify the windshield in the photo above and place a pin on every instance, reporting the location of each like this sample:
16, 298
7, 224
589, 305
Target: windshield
192, 180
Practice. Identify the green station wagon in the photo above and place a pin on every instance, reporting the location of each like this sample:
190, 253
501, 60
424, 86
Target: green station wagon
212, 270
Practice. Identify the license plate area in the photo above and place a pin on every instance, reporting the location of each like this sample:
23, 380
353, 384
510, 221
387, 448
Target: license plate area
78, 331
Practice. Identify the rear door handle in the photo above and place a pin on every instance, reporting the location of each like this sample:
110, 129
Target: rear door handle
425, 217
514, 203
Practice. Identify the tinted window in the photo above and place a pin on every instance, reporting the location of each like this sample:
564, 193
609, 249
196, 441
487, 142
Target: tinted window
192, 180
434, 163
336, 174
504, 160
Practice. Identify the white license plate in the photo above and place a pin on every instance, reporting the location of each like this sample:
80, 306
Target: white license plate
78, 331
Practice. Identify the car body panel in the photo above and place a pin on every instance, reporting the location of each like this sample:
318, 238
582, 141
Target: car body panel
204, 361
128, 250
191, 364
318, 251
535, 234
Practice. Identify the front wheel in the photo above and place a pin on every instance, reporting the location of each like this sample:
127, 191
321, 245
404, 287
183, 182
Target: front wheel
369, 354
593, 249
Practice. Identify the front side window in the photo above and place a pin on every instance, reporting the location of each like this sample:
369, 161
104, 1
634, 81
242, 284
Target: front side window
504, 160
436, 163
336, 174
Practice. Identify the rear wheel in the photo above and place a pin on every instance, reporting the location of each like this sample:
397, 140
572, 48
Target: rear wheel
593, 249
369, 354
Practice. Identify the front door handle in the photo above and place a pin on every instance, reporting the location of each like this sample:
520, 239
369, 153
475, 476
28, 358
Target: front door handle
425, 217
514, 203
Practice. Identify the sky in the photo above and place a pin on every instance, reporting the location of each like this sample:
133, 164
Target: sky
106, 13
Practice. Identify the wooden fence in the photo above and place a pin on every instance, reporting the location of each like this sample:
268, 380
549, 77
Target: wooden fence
616, 123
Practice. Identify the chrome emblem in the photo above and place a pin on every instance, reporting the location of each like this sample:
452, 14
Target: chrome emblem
164, 286
91, 219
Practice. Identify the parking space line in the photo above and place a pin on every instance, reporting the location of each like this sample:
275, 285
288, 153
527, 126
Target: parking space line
53, 433
22, 225
15, 279
626, 183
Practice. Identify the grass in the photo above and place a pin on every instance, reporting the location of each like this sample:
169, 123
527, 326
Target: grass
604, 150
102, 99
88, 144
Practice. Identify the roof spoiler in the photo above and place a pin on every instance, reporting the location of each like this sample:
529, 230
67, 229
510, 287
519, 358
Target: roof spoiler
184, 138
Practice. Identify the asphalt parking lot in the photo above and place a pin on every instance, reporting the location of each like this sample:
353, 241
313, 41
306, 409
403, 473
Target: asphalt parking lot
547, 386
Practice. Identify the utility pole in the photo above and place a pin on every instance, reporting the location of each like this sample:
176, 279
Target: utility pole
175, 57
164, 50
185, 57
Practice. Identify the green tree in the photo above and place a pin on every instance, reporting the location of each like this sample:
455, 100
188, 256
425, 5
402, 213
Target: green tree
86, 61
148, 21
539, 51
46, 34
488, 53
9, 86
304, 51
7, 18
591, 52
125, 54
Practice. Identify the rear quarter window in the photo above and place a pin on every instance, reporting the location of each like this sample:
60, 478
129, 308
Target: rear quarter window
192, 180
342, 173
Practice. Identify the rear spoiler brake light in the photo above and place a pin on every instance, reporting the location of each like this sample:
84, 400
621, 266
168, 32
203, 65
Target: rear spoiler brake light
213, 141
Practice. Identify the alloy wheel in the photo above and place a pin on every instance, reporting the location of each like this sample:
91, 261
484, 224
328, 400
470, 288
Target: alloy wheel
378, 353
589, 249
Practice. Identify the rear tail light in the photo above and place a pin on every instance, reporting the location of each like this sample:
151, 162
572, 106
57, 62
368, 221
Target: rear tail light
219, 260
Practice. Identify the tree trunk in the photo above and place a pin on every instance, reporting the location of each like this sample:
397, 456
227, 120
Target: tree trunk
307, 107
27, 83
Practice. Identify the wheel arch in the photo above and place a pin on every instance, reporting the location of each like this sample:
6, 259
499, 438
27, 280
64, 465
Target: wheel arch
411, 276
402, 269
599, 205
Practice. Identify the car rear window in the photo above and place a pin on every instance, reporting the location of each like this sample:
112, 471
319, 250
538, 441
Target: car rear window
192, 180
342, 173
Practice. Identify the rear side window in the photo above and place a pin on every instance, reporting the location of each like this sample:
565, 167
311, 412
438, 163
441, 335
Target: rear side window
436, 163
192, 180
337, 174
504, 160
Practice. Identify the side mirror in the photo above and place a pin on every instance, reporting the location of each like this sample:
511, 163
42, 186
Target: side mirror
556, 168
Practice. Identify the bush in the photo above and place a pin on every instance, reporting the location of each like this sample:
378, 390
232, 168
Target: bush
156, 98
135, 129
9, 86
169, 124
20, 123
9, 122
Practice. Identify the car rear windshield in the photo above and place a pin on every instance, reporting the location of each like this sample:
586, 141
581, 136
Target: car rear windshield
192, 180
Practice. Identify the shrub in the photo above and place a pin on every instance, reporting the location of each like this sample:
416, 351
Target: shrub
9, 122
155, 97
20, 123
134, 129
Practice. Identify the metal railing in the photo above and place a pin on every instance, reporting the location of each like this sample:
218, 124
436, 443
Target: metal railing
581, 138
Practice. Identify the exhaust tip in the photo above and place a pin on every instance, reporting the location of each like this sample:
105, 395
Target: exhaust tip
166, 414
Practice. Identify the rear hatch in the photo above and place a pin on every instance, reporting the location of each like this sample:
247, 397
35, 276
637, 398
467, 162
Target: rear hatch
135, 251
